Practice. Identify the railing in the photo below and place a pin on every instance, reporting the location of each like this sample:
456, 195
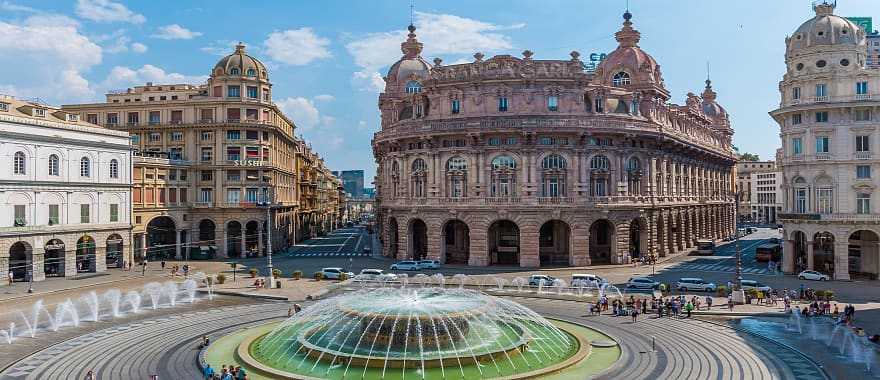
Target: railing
851, 217
501, 200
823, 98
203, 204
863, 155
555, 200
863, 96
621, 200
823, 156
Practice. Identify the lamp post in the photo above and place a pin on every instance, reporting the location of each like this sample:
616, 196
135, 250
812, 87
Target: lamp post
269, 242
737, 291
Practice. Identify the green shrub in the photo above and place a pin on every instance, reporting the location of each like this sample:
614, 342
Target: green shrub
319, 276
253, 272
297, 274
721, 291
221, 278
209, 280
829, 295
276, 273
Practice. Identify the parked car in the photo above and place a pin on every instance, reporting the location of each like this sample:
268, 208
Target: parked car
586, 279
367, 250
813, 275
693, 283
540, 279
642, 283
751, 230
752, 284
334, 273
377, 275
405, 265
429, 264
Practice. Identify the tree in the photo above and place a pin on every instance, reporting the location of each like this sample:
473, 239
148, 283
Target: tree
749, 157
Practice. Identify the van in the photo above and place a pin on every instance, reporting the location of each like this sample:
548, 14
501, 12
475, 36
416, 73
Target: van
705, 247
584, 279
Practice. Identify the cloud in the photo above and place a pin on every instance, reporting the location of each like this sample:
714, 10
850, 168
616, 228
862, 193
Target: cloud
440, 33
302, 111
296, 47
138, 47
175, 32
107, 11
13, 7
122, 76
50, 56
325, 98
220, 47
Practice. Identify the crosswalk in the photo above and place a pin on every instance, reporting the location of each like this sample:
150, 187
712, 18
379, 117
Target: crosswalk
329, 254
716, 268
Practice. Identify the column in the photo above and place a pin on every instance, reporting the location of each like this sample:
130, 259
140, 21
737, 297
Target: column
809, 255
177, 244
621, 254
788, 255
4, 265
579, 247
242, 243
660, 222
37, 264
434, 241
259, 241
529, 255
99, 264
841, 261
142, 253
220, 232
479, 253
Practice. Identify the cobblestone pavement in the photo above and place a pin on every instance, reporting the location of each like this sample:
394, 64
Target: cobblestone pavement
166, 345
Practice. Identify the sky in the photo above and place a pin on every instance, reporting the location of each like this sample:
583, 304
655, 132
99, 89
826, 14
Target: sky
326, 58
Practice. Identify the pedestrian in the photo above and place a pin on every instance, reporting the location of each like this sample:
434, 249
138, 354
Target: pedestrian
296, 308
635, 315
660, 310
289, 312
708, 302
163, 265
730, 302
10, 276
90, 375
208, 372
644, 306
689, 307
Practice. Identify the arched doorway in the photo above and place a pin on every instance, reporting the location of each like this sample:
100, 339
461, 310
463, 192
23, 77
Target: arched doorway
20, 260
418, 239
554, 243
206, 246
53, 259
601, 242
864, 259
160, 238
252, 238
799, 244
233, 239
392, 238
638, 239
85, 254
823, 252
456, 242
503, 242
113, 259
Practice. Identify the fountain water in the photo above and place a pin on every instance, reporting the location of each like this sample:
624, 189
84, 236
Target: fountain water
499, 283
519, 282
794, 321
91, 301
189, 289
114, 297
66, 311
170, 290
421, 279
560, 285
461, 278
133, 299
154, 291
439, 279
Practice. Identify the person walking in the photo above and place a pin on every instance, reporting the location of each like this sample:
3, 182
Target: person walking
10, 276
689, 307
708, 302
90, 375
162, 263
730, 302
208, 372
144, 268
635, 315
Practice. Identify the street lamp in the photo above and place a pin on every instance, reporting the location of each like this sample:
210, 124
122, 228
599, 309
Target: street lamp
737, 292
269, 241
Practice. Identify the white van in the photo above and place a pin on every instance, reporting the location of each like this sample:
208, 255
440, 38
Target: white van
586, 279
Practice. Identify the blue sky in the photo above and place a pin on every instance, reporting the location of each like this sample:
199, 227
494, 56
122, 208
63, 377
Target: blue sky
326, 57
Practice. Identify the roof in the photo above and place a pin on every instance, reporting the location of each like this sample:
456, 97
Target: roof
37, 113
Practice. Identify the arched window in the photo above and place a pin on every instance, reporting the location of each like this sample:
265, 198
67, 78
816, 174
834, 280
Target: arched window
54, 165
85, 167
599, 176
419, 178
18, 163
620, 79
633, 165
456, 177
251, 72
395, 178
234, 71
553, 176
503, 176
503, 162
599, 162
419, 165
114, 168
413, 87
801, 196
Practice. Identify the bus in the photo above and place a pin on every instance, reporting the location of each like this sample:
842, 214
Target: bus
705, 247
767, 252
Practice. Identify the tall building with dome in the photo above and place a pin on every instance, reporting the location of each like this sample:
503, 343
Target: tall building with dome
524, 162
209, 157
829, 125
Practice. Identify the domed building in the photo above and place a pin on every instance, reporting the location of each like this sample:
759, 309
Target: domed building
208, 159
829, 126
525, 162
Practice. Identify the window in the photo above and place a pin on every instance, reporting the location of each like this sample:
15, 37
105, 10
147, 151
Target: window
494, 141
206, 195
20, 219
207, 154
85, 167
175, 153
823, 144
510, 141
800, 200
252, 195
39, 112
861, 88
233, 135
206, 136
544, 140
821, 63
599, 162
822, 117
92, 118
177, 136
863, 203
413, 87
53, 215
253, 92
824, 200
553, 103
456, 106
503, 162
797, 146
233, 176
112, 118
135, 139
234, 71
207, 175
172, 175
54, 165
796, 119
155, 136
620, 79
796, 93
18, 163
863, 144
233, 91
114, 168
233, 153
600, 105
114, 212
251, 72
155, 117
233, 196
821, 90
4, 107
863, 171
863, 114
84, 213
502, 104
252, 135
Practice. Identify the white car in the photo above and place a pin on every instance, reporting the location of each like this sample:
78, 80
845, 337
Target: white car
691, 283
429, 264
335, 273
642, 283
405, 265
813, 275
585, 279
752, 284
377, 275
540, 279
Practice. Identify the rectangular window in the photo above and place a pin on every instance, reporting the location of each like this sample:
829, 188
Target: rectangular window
863, 114
252, 175
233, 91
206, 136
252, 135
863, 171
84, 211
252, 153
821, 90
863, 203
494, 141
92, 118
824, 201
113, 118
155, 117
155, 136
253, 92
176, 117
823, 144
822, 117
206, 115
114, 212
863, 144
796, 93
800, 201
233, 135
251, 114
172, 195
545, 141
502, 104
251, 195
796, 119
20, 220
206, 195
183, 195
233, 196
233, 114
175, 153
133, 118
233, 175
207, 175
510, 141
172, 175
135, 139
233, 153
177, 136
456, 106
861, 88
207, 155
797, 146
54, 215
553, 103
218, 91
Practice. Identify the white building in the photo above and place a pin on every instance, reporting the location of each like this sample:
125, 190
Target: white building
65, 193
766, 196
829, 123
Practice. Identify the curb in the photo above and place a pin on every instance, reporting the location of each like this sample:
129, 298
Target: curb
234, 294
62, 290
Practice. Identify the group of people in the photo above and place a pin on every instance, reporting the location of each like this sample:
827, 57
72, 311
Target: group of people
176, 269
225, 373
670, 307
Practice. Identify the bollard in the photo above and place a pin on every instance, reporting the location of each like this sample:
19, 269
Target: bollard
653, 344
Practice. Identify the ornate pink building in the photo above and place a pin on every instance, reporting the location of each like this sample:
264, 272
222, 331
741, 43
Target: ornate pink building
519, 161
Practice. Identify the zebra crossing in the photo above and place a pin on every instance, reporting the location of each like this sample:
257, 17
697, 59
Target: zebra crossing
328, 254
725, 267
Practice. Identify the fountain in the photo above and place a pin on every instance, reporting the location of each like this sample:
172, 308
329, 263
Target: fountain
90, 299
794, 321
461, 278
133, 299
439, 280
154, 291
560, 285
499, 283
519, 282
114, 297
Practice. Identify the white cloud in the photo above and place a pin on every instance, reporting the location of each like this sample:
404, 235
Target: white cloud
107, 11
440, 33
49, 55
175, 32
325, 98
138, 47
13, 7
302, 111
122, 76
296, 46
220, 47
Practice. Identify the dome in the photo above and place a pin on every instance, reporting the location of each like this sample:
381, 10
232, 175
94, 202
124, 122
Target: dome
240, 63
629, 57
826, 29
710, 107
412, 61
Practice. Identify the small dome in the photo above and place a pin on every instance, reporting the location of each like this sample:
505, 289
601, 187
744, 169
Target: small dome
826, 29
240, 63
630, 57
710, 107
412, 61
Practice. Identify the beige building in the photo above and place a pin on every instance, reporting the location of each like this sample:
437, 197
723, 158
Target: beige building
744, 171
828, 117
525, 162
211, 157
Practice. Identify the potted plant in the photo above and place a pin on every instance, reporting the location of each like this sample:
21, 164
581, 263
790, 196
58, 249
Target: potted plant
721, 291
343, 276
221, 278
209, 280
319, 276
276, 273
829, 295
297, 274
253, 272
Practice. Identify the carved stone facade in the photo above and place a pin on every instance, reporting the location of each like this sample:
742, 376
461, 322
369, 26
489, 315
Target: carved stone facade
525, 162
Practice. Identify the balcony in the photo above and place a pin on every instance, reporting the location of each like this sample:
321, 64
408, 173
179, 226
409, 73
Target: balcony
202, 204
823, 156
823, 98
863, 155
555, 200
863, 96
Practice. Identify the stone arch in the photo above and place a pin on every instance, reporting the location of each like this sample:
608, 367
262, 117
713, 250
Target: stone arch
252, 232
799, 257
863, 255
161, 239
503, 242
602, 242
21, 259
417, 237
234, 232
86, 254
823, 252
456, 242
113, 251
638, 238
554, 243
54, 258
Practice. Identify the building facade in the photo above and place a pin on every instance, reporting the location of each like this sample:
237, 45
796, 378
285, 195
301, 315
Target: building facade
526, 162
352, 181
213, 158
744, 171
829, 124
766, 193
65, 193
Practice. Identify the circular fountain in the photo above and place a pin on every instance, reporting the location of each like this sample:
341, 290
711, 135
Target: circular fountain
427, 333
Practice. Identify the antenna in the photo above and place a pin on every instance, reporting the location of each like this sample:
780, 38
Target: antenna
412, 8
627, 5
707, 70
